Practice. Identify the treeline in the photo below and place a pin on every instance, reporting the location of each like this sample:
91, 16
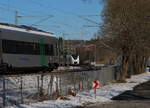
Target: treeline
126, 31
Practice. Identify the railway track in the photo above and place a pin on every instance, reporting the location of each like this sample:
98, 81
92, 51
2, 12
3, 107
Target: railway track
30, 74
55, 72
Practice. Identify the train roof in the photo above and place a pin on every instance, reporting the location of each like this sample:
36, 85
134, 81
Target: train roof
24, 28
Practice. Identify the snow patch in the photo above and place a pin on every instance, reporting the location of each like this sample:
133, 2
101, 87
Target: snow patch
104, 94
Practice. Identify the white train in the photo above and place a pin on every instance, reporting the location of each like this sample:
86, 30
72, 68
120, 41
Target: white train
24, 48
73, 59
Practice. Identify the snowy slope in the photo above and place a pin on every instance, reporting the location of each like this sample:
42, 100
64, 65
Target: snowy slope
104, 94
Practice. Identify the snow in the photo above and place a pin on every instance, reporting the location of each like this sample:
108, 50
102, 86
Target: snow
30, 88
104, 94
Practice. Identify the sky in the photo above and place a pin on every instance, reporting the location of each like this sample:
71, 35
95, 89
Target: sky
64, 18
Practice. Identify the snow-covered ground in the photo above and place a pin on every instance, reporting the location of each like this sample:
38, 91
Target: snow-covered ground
104, 94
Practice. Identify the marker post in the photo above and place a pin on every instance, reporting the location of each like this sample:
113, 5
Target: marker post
96, 84
95, 92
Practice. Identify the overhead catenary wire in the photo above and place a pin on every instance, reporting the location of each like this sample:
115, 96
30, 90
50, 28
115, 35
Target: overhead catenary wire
45, 6
42, 20
35, 2
91, 26
14, 8
58, 10
84, 17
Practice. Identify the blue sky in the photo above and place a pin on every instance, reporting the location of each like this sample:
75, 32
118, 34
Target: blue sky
66, 21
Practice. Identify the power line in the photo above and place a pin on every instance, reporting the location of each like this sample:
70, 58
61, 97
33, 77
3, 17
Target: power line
84, 17
37, 3
42, 20
91, 26
5, 9
34, 24
56, 26
62, 11
91, 15
14, 8
16, 13
47, 7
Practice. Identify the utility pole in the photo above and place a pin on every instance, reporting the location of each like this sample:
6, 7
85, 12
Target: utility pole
16, 17
60, 50
64, 45
95, 53
34, 24
63, 48
1, 50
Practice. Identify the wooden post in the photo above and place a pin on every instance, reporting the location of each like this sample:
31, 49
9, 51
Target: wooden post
95, 92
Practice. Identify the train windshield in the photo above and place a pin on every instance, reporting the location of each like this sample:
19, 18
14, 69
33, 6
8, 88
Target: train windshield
74, 56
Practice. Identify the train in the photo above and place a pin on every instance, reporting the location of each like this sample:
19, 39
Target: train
73, 60
27, 49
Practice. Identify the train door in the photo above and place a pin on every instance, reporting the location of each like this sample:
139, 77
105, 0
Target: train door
43, 61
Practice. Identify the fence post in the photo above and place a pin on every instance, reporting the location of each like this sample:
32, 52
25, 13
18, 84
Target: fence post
60, 85
41, 87
4, 92
57, 88
48, 89
66, 90
74, 81
21, 87
51, 86
38, 85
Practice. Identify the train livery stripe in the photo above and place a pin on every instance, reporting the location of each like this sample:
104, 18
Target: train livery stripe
43, 61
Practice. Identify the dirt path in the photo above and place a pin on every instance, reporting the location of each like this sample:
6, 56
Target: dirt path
140, 92
122, 104
139, 97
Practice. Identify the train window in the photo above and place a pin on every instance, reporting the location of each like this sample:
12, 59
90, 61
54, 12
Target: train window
55, 47
16, 47
34, 47
52, 50
20, 47
49, 49
9, 46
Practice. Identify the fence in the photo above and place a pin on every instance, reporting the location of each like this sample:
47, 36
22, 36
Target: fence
29, 89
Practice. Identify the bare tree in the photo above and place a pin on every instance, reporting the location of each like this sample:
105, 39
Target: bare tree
126, 28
